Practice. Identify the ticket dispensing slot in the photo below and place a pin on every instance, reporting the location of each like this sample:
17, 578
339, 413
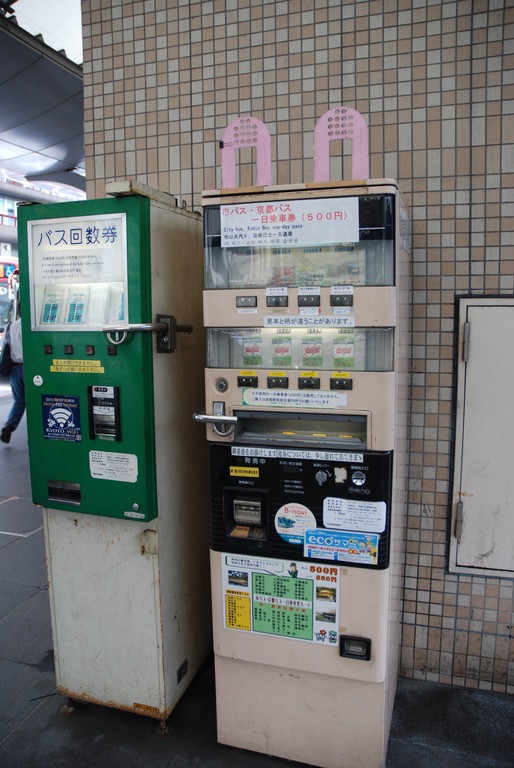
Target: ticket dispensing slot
64, 492
344, 432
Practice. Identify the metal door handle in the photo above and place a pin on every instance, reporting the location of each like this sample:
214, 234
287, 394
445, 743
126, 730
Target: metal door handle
134, 327
166, 326
205, 418
122, 331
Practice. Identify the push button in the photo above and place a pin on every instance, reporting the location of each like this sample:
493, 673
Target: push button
308, 382
90, 350
48, 349
278, 382
277, 301
247, 381
68, 349
309, 300
340, 383
341, 300
246, 301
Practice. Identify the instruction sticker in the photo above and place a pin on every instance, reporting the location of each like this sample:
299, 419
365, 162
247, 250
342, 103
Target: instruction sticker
77, 366
308, 320
353, 515
281, 598
293, 398
61, 418
244, 471
121, 467
257, 452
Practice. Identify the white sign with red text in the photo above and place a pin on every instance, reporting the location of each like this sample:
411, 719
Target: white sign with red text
293, 222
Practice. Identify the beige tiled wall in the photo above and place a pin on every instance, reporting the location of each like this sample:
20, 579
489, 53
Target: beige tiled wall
435, 82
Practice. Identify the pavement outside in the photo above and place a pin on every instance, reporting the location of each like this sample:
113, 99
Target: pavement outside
433, 725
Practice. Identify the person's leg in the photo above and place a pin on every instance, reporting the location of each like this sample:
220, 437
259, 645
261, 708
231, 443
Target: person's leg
18, 390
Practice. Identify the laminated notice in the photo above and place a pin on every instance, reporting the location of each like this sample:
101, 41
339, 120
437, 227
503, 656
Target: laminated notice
353, 515
106, 465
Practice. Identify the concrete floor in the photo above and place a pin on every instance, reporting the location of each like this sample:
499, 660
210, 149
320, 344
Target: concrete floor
433, 725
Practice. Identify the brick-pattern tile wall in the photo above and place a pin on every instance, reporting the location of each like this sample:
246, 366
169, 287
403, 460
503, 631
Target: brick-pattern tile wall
435, 82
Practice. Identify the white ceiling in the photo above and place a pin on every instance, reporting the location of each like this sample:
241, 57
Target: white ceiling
41, 93
59, 21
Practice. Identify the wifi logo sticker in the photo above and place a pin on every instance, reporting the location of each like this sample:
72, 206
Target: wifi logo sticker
61, 418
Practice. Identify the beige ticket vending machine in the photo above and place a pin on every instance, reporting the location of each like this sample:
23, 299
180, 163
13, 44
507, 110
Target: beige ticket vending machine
306, 306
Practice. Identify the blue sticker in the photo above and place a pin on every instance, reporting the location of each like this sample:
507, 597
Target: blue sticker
341, 546
61, 418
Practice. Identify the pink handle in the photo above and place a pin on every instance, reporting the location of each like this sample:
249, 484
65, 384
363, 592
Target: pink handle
245, 131
341, 123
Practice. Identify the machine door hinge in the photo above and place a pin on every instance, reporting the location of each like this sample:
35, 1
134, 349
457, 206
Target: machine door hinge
465, 343
458, 521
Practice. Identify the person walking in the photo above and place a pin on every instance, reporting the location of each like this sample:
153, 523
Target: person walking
17, 380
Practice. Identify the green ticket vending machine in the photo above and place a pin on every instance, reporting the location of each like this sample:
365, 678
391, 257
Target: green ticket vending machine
113, 355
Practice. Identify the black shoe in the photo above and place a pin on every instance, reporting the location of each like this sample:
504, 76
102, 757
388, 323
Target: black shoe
7, 431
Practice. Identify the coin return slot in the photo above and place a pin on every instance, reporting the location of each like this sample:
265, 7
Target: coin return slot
64, 492
355, 647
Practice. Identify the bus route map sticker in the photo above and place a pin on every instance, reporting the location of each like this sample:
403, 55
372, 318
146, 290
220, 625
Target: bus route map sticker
291, 522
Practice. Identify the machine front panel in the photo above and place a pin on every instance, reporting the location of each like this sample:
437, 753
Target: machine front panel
89, 401
323, 504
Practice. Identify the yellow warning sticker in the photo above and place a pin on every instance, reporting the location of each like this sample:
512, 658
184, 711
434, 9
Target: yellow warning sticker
244, 471
77, 366
238, 611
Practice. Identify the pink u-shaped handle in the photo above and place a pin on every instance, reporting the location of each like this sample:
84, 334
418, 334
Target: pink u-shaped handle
245, 131
341, 123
